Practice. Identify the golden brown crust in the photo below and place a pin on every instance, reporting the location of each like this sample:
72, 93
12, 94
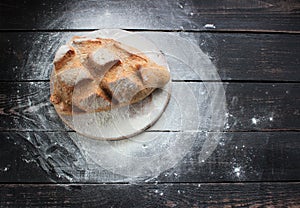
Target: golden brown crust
120, 82
64, 59
55, 99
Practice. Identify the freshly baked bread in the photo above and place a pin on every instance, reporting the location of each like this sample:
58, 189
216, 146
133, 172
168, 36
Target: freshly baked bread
92, 75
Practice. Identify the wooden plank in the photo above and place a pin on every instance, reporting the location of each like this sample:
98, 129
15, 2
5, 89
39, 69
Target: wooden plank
251, 107
32, 157
18, 161
162, 195
28, 157
263, 57
26, 106
171, 15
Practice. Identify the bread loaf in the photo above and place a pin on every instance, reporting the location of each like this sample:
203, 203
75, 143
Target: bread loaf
92, 75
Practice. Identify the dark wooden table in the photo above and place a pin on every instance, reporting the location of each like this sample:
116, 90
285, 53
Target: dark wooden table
255, 46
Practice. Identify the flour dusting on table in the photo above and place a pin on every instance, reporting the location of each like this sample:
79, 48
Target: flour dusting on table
183, 125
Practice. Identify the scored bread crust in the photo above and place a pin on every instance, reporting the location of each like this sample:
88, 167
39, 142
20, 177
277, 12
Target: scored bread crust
97, 74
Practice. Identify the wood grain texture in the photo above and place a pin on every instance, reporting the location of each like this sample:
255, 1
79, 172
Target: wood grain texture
268, 15
251, 107
37, 156
254, 46
162, 195
28, 157
245, 57
18, 162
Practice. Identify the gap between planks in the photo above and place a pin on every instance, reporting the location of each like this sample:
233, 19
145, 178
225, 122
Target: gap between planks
163, 131
217, 81
163, 30
148, 183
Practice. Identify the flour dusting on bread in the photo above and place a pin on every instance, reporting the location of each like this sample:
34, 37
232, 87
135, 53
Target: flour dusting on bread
96, 74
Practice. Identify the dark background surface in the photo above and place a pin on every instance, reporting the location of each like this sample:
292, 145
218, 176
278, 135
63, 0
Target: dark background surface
255, 46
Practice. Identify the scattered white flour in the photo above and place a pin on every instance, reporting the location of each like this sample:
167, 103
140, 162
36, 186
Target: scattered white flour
82, 16
146, 156
222, 143
6, 168
210, 26
130, 158
254, 121
237, 171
